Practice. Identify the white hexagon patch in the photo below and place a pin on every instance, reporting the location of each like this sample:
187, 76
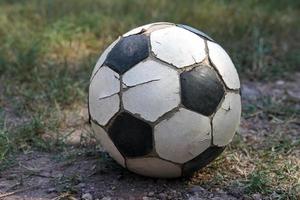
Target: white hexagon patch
227, 119
183, 136
177, 46
154, 167
151, 90
103, 95
224, 65
144, 28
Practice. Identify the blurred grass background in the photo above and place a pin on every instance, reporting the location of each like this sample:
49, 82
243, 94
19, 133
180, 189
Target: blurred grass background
48, 49
261, 36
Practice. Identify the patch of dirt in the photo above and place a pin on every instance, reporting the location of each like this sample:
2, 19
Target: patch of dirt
45, 176
280, 89
262, 124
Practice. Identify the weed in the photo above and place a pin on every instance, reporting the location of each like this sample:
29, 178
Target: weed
258, 183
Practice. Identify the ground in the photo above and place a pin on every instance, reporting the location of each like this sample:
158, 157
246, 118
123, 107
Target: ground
47, 52
87, 171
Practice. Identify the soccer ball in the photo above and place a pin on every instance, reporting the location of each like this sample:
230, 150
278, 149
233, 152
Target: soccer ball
164, 100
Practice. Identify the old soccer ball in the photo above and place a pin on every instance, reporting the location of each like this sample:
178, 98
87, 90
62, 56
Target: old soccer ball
164, 100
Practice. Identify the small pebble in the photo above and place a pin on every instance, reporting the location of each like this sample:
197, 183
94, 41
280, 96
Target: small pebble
217, 198
257, 196
280, 82
87, 196
113, 187
106, 198
197, 189
150, 194
162, 195
51, 190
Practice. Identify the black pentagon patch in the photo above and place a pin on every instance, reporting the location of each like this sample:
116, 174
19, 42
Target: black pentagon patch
127, 52
202, 160
132, 136
201, 90
196, 31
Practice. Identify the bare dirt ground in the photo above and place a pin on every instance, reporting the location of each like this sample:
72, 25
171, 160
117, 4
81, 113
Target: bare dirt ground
90, 174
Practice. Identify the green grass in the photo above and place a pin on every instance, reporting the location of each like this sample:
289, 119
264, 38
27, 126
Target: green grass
282, 109
21, 138
49, 47
259, 35
271, 170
